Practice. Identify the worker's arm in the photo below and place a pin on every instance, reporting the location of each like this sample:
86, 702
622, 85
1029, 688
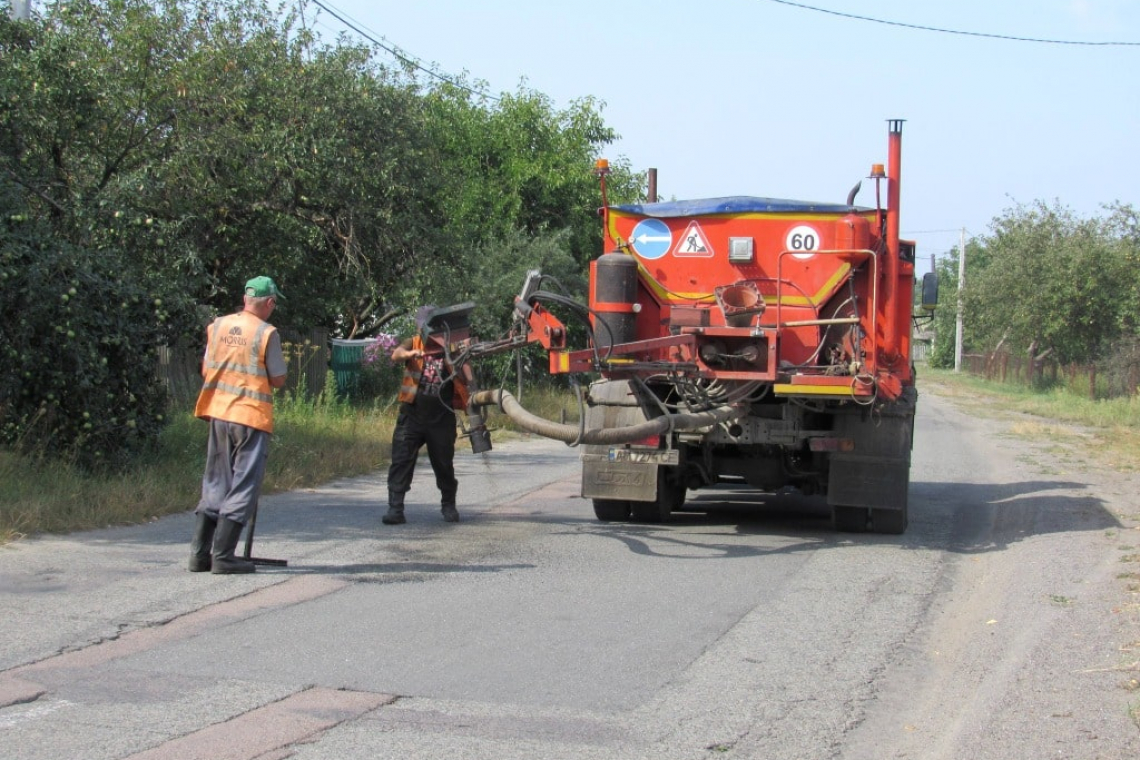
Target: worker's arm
275, 366
404, 351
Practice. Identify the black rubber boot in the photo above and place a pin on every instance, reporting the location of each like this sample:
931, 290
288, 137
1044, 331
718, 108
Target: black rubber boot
202, 542
450, 513
395, 514
225, 542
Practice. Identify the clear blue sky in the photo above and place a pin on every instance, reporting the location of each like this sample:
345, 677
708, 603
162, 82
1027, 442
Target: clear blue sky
753, 97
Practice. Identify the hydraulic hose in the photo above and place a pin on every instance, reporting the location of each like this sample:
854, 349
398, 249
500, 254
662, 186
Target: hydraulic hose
681, 422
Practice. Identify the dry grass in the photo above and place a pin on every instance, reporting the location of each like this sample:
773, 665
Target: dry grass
311, 446
50, 496
1105, 431
315, 442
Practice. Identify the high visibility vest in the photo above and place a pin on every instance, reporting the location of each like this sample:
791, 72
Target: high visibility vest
236, 387
414, 370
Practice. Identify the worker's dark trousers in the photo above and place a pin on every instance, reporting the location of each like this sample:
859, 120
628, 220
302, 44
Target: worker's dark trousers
411, 433
235, 467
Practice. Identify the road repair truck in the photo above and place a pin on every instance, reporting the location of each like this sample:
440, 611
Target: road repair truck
756, 341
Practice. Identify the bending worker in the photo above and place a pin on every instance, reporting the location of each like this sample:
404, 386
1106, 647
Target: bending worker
430, 392
242, 366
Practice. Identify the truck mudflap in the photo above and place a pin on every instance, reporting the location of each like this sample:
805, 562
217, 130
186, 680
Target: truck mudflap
626, 473
605, 473
863, 481
620, 481
867, 486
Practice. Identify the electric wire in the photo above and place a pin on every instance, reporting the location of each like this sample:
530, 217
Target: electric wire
920, 27
400, 55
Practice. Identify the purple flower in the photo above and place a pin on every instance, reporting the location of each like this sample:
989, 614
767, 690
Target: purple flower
380, 349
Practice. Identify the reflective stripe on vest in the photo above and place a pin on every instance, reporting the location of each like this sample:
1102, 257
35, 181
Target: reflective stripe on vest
414, 370
236, 387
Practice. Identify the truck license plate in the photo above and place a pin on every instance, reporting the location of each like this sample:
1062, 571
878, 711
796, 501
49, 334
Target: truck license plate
645, 456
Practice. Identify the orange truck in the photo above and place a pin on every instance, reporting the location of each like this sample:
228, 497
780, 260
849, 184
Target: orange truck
753, 341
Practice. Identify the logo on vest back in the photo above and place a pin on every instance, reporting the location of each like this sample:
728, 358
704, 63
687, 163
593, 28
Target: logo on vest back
234, 338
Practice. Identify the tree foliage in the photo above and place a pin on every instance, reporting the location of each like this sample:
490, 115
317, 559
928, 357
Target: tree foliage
945, 315
161, 152
534, 163
79, 350
1046, 283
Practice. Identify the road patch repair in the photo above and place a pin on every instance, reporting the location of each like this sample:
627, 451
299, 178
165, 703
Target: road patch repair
295, 719
267, 729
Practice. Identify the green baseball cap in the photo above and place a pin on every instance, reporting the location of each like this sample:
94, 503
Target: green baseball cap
262, 287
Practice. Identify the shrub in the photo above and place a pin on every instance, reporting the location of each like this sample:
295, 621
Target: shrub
78, 351
380, 376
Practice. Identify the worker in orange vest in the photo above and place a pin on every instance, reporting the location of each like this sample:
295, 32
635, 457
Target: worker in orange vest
430, 393
242, 366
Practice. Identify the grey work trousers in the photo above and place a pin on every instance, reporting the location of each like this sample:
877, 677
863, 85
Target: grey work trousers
235, 467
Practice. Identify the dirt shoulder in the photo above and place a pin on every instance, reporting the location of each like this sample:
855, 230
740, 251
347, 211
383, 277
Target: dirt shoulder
1065, 679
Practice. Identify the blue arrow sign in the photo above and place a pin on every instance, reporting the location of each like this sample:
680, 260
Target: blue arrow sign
651, 238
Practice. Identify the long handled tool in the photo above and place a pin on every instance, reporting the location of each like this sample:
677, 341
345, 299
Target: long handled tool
249, 545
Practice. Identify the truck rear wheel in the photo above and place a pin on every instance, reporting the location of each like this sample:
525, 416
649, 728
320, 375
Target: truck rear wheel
649, 511
670, 497
889, 520
612, 510
863, 520
850, 519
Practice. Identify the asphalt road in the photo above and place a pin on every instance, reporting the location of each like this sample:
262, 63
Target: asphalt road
998, 626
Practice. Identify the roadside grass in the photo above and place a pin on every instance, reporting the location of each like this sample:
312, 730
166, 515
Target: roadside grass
316, 441
1106, 431
322, 439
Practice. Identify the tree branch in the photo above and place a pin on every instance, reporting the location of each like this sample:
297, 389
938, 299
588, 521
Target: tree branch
38, 192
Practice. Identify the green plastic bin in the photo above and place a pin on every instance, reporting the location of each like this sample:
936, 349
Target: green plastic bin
346, 364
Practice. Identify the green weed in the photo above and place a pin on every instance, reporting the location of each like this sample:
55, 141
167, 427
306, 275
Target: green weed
1108, 429
316, 440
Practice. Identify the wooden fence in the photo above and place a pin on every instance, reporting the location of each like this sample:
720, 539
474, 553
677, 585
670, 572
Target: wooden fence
1097, 382
306, 353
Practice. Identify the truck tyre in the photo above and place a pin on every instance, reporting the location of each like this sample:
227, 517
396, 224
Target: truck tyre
850, 519
889, 520
670, 497
649, 511
611, 510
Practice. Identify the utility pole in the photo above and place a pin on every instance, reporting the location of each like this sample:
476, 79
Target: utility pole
961, 284
20, 10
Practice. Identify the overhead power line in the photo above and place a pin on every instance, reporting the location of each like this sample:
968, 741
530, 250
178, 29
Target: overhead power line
953, 31
410, 60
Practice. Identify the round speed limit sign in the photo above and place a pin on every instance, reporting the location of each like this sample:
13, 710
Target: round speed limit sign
802, 239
